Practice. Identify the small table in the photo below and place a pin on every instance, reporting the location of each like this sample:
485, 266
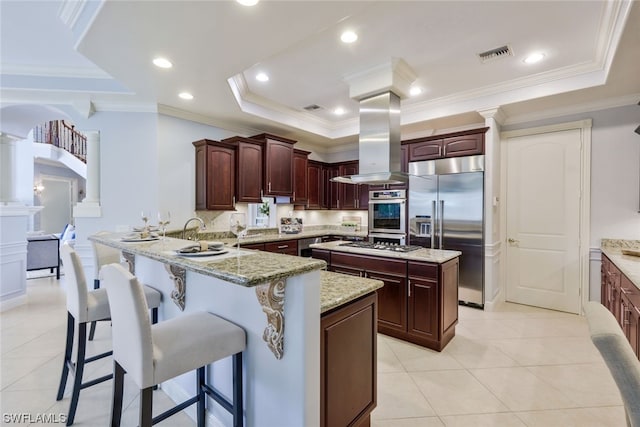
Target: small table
43, 252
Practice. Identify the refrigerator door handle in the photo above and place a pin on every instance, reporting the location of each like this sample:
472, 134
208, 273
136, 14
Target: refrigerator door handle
433, 224
441, 223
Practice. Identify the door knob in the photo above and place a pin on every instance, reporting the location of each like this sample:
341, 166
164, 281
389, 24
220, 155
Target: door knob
513, 241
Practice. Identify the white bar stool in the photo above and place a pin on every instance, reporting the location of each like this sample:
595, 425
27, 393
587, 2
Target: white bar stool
102, 255
83, 307
152, 354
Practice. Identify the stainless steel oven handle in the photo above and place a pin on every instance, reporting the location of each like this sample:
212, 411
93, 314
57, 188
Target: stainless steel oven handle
441, 221
433, 224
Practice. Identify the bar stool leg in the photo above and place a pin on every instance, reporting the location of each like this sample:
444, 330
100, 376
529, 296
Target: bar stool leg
118, 389
67, 356
92, 330
146, 407
79, 368
201, 396
237, 409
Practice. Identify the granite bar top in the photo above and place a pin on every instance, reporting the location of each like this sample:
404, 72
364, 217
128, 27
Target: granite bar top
425, 255
338, 289
629, 265
242, 267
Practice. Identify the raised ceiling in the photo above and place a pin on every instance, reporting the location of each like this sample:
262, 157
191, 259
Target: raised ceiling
101, 52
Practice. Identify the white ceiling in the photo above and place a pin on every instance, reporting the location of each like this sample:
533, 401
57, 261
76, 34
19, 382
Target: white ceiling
76, 52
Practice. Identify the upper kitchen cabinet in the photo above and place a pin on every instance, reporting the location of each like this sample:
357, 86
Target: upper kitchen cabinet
278, 165
457, 144
316, 176
300, 177
215, 175
249, 168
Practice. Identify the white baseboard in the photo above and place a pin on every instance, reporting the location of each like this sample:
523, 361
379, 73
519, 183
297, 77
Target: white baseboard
13, 303
491, 305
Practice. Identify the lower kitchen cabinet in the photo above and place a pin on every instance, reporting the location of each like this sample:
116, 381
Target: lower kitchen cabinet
255, 246
348, 354
622, 298
287, 247
419, 300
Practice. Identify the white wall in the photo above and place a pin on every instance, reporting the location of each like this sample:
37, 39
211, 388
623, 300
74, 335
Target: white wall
176, 163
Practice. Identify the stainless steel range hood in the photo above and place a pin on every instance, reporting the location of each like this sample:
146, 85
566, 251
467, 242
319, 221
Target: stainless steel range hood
379, 144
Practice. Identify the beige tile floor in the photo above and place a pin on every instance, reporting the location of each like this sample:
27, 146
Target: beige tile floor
515, 366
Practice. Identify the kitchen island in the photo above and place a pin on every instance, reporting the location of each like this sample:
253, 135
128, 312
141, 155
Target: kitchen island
419, 300
278, 300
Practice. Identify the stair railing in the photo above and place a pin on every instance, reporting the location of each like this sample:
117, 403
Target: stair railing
62, 135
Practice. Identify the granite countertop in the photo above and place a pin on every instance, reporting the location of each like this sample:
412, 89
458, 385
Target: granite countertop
629, 265
425, 255
242, 267
338, 289
273, 237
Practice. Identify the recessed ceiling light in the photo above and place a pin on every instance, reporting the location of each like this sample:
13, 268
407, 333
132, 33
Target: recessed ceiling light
248, 2
339, 111
262, 77
348, 37
415, 90
162, 63
185, 95
533, 58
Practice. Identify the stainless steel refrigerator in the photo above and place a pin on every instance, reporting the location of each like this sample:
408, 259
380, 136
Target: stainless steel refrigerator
446, 211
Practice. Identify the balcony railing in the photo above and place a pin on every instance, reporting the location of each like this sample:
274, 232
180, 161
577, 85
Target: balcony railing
64, 136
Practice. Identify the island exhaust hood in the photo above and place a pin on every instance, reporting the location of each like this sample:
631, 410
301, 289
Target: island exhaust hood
379, 142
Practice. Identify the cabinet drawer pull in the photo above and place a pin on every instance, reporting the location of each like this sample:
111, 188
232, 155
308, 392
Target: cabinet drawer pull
234, 202
269, 186
283, 246
409, 287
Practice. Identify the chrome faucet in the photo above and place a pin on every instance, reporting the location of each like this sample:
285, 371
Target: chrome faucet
202, 225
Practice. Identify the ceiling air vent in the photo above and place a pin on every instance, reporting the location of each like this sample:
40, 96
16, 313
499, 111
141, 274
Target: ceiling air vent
313, 107
499, 52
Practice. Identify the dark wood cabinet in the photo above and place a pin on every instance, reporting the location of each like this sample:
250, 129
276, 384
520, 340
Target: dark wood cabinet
348, 354
464, 143
348, 193
419, 300
249, 169
278, 165
255, 246
287, 247
215, 175
622, 299
300, 177
315, 185
424, 149
332, 197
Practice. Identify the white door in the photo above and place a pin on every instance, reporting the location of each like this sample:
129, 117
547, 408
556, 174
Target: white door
58, 205
543, 220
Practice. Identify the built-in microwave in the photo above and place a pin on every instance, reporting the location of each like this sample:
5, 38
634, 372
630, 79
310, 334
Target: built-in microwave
387, 211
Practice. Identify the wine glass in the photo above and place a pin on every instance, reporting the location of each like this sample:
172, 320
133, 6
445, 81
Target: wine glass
144, 215
238, 225
163, 221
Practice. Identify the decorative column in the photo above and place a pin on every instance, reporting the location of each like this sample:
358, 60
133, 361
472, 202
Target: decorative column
492, 225
90, 206
14, 222
7, 169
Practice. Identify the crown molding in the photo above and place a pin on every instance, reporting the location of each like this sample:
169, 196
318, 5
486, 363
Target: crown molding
206, 120
588, 107
55, 71
69, 12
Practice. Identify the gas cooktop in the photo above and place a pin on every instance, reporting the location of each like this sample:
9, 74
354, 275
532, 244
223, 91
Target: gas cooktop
382, 246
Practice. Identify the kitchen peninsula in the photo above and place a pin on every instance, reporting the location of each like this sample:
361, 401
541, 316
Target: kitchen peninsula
293, 314
419, 300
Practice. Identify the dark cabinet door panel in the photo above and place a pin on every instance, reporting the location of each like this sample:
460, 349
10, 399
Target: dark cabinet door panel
220, 178
466, 145
249, 173
423, 308
392, 301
